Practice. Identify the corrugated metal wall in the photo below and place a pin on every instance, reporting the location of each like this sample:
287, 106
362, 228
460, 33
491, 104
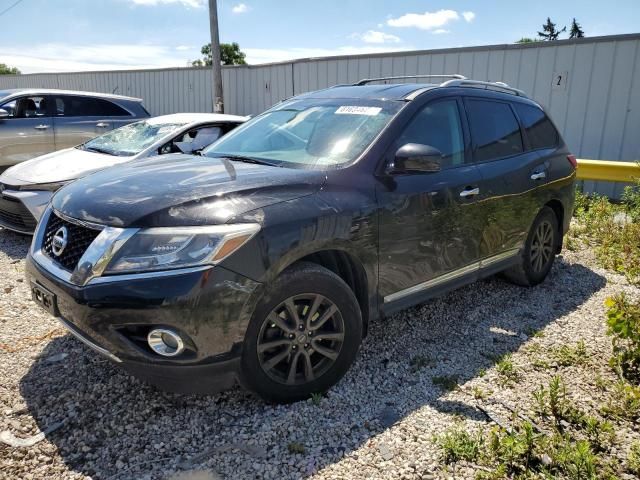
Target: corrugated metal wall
590, 86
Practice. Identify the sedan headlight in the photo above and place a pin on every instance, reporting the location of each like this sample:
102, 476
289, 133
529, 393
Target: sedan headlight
166, 248
50, 187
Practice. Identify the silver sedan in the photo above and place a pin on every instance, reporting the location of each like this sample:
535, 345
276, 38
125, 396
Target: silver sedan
26, 188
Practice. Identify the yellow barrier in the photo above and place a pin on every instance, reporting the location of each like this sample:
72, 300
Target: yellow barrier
608, 170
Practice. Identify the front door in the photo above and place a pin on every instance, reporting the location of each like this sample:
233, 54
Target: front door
429, 222
27, 131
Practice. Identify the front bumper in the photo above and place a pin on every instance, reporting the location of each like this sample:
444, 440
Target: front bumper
211, 307
21, 210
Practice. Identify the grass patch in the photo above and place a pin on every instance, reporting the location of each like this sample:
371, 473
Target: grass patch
623, 324
316, 399
568, 355
457, 444
613, 231
419, 362
633, 459
296, 447
624, 403
447, 383
506, 369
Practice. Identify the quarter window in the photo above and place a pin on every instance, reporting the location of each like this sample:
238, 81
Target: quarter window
494, 130
75, 106
437, 125
540, 130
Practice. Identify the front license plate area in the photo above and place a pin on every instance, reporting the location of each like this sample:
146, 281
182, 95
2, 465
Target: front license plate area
44, 298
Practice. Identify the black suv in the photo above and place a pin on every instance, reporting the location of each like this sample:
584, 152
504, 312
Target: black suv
264, 259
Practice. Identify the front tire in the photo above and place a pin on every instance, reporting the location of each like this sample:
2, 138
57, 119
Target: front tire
539, 251
304, 335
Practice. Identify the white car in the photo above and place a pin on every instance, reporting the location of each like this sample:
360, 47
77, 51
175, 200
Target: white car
26, 188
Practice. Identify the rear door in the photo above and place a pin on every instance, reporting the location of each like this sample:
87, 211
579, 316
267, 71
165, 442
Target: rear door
27, 131
78, 118
429, 222
508, 170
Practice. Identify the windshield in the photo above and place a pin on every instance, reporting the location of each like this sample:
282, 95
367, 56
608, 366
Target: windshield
308, 133
130, 139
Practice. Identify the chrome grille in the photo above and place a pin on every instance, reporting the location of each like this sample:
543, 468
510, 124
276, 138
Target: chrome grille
79, 239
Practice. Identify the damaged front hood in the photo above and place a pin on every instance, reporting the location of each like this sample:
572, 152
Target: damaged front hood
178, 190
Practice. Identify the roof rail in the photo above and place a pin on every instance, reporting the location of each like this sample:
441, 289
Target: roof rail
486, 85
364, 81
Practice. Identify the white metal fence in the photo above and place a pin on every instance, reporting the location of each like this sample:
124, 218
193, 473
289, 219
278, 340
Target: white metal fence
590, 86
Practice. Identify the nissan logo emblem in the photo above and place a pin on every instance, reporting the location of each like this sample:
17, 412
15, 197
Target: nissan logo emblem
59, 242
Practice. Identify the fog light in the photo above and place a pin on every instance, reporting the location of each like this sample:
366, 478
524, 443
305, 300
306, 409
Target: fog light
165, 342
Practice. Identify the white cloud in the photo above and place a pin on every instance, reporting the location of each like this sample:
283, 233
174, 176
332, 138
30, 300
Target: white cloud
186, 3
240, 8
426, 20
268, 55
373, 36
469, 16
73, 58
440, 31
55, 57
183, 48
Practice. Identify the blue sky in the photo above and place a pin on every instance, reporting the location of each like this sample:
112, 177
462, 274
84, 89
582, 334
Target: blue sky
78, 35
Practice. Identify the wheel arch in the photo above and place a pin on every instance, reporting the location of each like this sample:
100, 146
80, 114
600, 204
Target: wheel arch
558, 210
349, 269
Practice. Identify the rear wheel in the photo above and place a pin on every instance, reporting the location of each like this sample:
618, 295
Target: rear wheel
303, 337
539, 250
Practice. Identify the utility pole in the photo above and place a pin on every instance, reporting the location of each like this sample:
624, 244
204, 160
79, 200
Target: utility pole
218, 103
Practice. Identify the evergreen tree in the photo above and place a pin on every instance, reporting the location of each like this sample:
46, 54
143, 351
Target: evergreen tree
549, 31
576, 30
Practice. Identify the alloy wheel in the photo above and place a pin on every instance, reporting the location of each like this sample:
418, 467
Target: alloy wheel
541, 247
300, 339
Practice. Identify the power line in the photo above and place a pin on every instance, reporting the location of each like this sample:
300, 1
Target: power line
9, 8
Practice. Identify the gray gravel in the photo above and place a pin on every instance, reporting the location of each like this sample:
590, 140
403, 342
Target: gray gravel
378, 422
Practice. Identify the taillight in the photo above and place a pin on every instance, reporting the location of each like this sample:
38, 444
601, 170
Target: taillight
572, 161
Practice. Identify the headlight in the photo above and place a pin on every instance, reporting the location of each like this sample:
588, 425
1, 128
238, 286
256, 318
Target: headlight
50, 187
167, 247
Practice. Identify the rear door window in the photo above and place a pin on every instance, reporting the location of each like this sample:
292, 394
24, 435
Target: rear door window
540, 130
76, 106
494, 130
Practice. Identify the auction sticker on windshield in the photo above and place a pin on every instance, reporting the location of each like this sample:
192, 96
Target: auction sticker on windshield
355, 110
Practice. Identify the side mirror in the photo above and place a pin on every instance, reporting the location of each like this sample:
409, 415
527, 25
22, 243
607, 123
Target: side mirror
416, 158
3, 113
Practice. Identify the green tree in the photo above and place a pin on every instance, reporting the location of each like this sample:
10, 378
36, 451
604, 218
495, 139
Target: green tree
549, 31
576, 30
526, 40
7, 70
230, 54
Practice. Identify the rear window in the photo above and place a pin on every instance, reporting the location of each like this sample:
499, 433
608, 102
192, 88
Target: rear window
76, 106
494, 129
540, 130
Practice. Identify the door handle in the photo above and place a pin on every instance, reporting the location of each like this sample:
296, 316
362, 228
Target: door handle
102, 124
538, 175
470, 192
41, 127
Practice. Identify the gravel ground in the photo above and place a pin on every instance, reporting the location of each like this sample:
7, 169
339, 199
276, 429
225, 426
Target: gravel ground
378, 422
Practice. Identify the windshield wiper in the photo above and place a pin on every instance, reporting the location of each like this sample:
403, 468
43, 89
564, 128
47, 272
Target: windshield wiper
100, 150
241, 158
